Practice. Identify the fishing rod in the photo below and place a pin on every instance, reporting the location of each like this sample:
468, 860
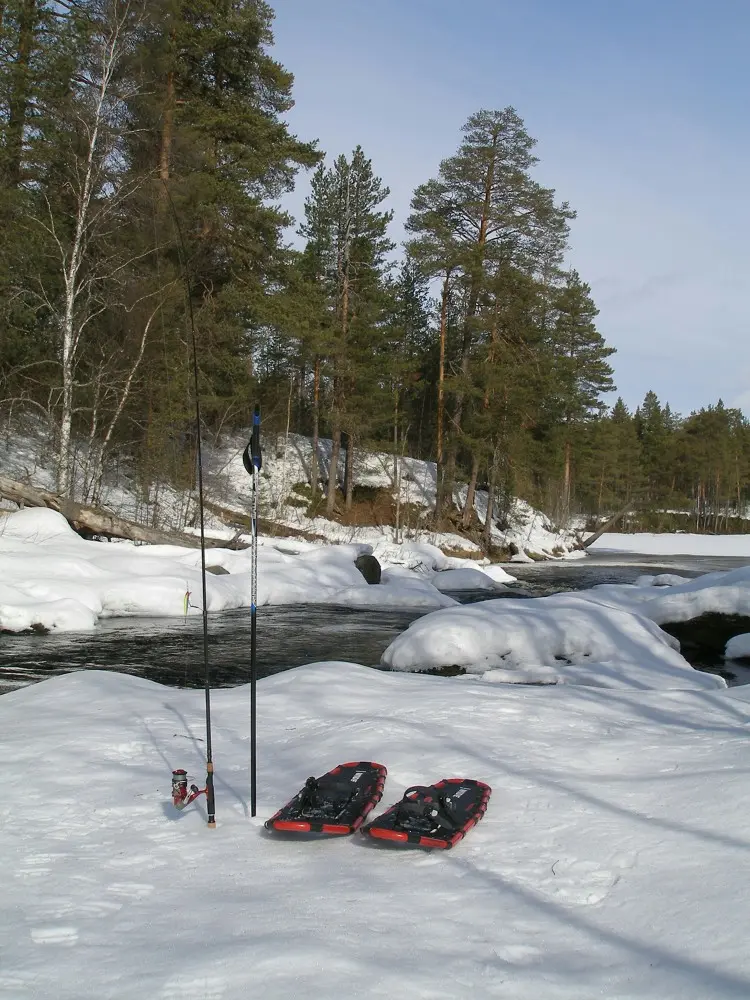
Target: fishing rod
253, 460
180, 795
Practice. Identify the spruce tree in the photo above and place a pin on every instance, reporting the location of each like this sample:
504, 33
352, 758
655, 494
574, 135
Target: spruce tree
580, 370
347, 239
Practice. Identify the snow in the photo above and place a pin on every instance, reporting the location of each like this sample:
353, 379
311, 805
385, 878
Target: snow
605, 636
608, 864
465, 579
565, 638
27, 454
738, 647
726, 593
54, 578
661, 580
287, 462
677, 544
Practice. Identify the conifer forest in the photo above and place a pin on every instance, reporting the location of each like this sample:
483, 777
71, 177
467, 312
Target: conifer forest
144, 162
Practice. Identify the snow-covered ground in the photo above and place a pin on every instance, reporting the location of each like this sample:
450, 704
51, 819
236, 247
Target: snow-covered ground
738, 647
609, 863
566, 638
674, 544
28, 457
54, 578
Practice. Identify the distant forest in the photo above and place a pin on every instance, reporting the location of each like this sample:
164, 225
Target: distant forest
144, 158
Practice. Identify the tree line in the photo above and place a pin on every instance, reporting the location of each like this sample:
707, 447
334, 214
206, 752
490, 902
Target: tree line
144, 158
678, 473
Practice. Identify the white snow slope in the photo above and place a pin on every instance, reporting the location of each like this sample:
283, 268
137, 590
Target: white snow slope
29, 456
52, 577
673, 544
609, 864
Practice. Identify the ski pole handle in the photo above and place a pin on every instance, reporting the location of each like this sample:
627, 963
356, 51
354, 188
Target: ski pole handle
255, 440
251, 456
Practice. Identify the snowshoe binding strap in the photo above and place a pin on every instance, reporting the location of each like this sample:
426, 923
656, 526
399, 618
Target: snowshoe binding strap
325, 797
335, 803
308, 797
421, 805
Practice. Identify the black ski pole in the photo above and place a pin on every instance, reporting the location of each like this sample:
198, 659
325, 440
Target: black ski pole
252, 460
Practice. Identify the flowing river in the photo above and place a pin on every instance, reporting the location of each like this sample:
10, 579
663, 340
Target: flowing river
170, 650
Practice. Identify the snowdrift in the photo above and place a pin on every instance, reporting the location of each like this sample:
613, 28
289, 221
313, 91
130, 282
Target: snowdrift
607, 863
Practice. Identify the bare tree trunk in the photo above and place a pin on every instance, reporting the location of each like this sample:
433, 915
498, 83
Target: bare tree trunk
396, 477
72, 257
608, 524
316, 430
167, 129
285, 465
349, 472
333, 470
121, 403
101, 522
395, 438
491, 487
439, 471
468, 513
566, 485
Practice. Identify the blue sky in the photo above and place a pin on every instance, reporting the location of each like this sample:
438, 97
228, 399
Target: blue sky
640, 109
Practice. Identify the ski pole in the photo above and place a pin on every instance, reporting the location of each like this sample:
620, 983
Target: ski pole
253, 460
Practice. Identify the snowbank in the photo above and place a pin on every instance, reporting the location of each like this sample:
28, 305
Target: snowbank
560, 639
465, 579
287, 462
738, 647
608, 863
725, 593
54, 578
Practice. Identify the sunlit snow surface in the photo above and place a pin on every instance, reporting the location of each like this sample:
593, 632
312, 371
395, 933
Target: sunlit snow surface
605, 636
674, 544
610, 862
50, 576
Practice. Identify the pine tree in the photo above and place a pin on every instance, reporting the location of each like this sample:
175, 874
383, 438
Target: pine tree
207, 129
611, 473
654, 431
482, 212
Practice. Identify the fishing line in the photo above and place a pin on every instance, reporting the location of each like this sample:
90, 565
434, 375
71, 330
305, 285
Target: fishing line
182, 257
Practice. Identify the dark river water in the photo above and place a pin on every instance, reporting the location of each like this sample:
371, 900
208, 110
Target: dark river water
170, 650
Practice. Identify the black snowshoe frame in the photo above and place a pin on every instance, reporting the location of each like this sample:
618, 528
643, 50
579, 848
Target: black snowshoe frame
435, 816
337, 803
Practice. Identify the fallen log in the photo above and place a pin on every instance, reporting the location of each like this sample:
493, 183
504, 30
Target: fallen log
608, 524
243, 523
102, 522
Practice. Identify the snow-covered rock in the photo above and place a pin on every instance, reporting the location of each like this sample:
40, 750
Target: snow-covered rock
564, 638
738, 647
465, 579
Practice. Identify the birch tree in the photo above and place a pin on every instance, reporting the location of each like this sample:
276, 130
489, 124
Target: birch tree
84, 208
